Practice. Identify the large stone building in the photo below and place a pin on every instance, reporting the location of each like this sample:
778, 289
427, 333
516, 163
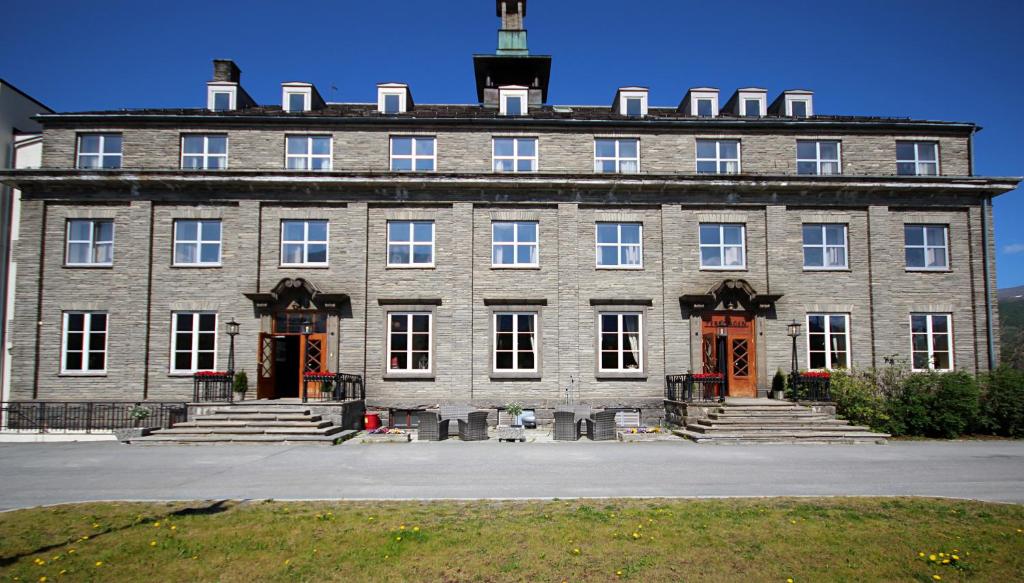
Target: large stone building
502, 250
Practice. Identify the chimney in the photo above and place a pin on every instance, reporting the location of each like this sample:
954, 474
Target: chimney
226, 70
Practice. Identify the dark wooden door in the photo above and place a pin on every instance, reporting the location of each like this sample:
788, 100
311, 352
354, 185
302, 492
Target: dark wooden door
314, 359
739, 351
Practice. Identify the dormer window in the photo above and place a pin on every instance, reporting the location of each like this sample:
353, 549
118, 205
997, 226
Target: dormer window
748, 102
798, 103
221, 96
751, 108
514, 101
700, 102
705, 107
296, 97
393, 98
296, 102
798, 109
631, 101
221, 101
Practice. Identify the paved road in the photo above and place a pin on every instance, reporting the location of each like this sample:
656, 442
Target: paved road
33, 474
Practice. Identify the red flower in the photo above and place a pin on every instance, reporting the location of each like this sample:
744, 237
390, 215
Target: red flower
816, 374
708, 376
319, 374
211, 373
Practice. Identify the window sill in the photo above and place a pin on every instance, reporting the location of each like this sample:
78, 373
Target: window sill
423, 266
515, 376
88, 266
527, 267
826, 269
83, 374
723, 268
927, 270
303, 266
607, 375
619, 267
197, 266
408, 376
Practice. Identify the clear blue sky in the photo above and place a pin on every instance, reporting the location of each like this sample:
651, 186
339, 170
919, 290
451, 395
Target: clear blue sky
927, 59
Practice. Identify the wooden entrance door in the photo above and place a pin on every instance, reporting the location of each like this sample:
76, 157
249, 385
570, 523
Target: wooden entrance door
265, 387
274, 348
314, 358
738, 351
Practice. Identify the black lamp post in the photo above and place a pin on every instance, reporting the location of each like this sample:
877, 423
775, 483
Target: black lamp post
232, 330
722, 334
793, 330
307, 329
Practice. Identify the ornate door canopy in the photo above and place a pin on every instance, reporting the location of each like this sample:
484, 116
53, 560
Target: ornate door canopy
730, 294
296, 294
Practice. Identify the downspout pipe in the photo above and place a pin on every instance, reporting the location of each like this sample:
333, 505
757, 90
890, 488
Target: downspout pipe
989, 330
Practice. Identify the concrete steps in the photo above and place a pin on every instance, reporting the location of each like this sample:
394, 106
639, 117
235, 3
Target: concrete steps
264, 424
774, 422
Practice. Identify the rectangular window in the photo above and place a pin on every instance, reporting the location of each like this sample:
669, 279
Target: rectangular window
409, 342
917, 158
704, 108
221, 101
515, 154
304, 243
752, 107
296, 102
197, 242
722, 246
620, 245
513, 105
616, 156
90, 242
931, 337
194, 336
514, 244
819, 158
99, 151
204, 152
828, 341
621, 342
634, 106
825, 246
718, 156
411, 243
409, 154
309, 152
85, 343
798, 108
927, 246
392, 103
515, 341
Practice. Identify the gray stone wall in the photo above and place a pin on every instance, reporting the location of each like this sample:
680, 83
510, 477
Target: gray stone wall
469, 151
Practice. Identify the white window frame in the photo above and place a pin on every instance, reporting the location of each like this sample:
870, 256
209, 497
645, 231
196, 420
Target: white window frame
718, 159
198, 243
414, 156
306, 242
925, 246
930, 334
92, 242
617, 158
759, 96
618, 245
99, 153
304, 90
384, 91
722, 245
515, 243
621, 342
698, 94
411, 243
217, 87
515, 157
515, 351
309, 156
828, 334
818, 160
516, 92
195, 332
410, 370
825, 246
625, 94
917, 161
807, 101
205, 155
87, 347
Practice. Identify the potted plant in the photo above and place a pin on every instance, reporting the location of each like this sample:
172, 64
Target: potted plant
779, 385
515, 411
241, 385
138, 414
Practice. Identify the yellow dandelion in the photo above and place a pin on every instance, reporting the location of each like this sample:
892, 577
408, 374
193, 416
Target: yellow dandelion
370, 519
398, 539
789, 580
195, 558
792, 522
932, 557
575, 551
920, 554
387, 556
618, 573
945, 561
62, 571
415, 529
937, 577
42, 579
94, 525
401, 527
99, 563
40, 562
956, 557
287, 562
156, 525
152, 543
636, 535
86, 537
71, 551
174, 527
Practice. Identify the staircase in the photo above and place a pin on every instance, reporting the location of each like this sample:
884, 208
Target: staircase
271, 424
743, 421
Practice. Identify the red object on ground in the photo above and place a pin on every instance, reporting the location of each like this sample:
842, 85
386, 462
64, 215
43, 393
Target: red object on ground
371, 421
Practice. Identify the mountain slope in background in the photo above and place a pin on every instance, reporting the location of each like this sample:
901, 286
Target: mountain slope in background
1011, 326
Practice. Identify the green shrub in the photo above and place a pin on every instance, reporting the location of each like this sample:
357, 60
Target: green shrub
779, 381
934, 405
859, 399
241, 382
1002, 403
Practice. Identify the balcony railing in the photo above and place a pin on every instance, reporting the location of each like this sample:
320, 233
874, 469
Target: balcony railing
213, 386
88, 416
330, 386
695, 387
810, 386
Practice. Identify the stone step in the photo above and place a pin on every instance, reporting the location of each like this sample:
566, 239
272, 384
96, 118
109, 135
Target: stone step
225, 423
759, 430
257, 417
221, 438
809, 437
771, 408
261, 409
774, 423
767, 417
258, 430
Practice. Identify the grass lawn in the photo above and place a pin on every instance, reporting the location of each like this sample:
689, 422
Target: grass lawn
839, 539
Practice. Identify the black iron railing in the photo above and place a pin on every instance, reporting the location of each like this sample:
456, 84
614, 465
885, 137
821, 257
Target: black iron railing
325, 387
213, 387
88, 416
810, 387
695, 388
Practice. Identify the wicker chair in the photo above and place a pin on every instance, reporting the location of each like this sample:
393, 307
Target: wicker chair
474, 427
432, 427
601, 426
567, 425
455, 412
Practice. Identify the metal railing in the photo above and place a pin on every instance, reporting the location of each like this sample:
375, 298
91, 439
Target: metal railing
695, 388
213, 387
814, 387
328, 387
88, 416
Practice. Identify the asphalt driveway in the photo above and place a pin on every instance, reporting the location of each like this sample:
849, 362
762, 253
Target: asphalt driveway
34, 474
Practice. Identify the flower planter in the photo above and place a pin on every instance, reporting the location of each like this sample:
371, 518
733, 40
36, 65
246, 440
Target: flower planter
387, 438
511, 433
130, 433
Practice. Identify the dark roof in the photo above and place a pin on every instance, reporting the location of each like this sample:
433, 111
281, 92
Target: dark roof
367, 112
25, 95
